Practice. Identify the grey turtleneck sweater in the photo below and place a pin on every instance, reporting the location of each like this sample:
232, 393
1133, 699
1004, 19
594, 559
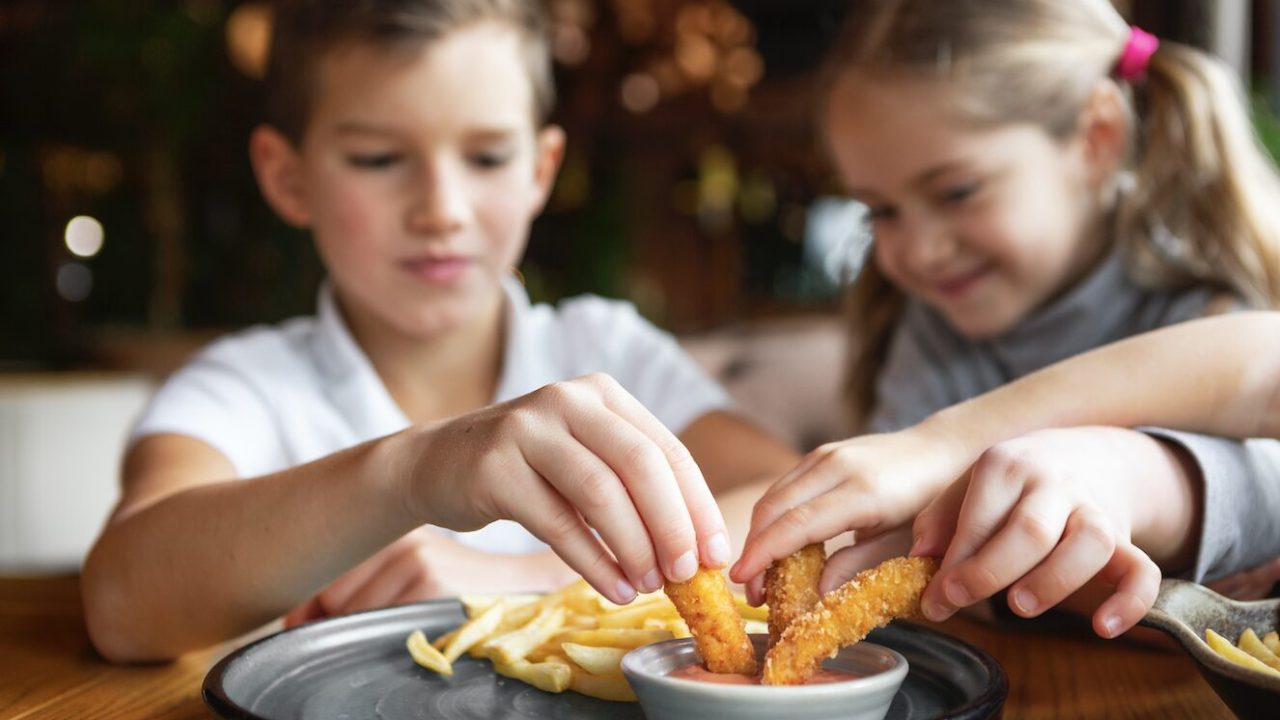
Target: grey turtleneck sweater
930, 366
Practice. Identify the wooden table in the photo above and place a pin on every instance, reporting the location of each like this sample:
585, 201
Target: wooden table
49, 670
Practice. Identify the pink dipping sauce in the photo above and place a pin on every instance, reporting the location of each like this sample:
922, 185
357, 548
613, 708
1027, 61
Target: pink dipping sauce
701, 674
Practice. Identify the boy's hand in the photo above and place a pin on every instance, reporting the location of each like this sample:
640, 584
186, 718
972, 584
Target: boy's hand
424, 565
1041, 515
566, 459
870, 485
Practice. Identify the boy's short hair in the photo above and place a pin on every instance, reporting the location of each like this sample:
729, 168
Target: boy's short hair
304, 30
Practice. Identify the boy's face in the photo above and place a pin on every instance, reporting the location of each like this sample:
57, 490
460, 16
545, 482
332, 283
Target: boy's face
984, 225
419, 174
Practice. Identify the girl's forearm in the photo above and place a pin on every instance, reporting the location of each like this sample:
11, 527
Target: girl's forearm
1217, 376
212, 562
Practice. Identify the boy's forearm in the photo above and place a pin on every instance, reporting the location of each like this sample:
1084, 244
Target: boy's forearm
215, 561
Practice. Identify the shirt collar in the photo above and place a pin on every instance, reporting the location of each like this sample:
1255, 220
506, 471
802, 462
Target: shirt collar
354, 386
348, 378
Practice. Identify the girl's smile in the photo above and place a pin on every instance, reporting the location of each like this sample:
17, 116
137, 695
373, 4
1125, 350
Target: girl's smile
956, 286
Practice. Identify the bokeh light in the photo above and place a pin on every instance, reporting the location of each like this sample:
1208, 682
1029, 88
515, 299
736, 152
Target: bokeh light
640, 92
84, 236
74, 281
249, 38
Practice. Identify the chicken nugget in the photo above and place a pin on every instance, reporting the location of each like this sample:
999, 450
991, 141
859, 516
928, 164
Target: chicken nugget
791, 587
870, 600
705, 603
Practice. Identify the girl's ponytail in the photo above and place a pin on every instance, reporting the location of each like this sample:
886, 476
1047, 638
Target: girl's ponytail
1205, 192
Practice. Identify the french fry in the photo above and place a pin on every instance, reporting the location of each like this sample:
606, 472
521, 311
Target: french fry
614, 637
549, 676
605, 687
442, 642
632, 617
594, 659
677, 627
1272, 641
581, 621
1223, 647
426, 655
473, 605
474, 631
749, 611
1250, 643
516, 644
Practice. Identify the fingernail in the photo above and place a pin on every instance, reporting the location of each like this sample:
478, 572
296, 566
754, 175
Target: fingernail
684, 567
1024, 602
652, 581
625, 593
718, 550
935, 611
1111, 625
958, 594
916, 543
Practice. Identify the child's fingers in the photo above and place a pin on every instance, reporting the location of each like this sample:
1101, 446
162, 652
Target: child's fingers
755, 590
708, 524
1137, 581
801, 484
337, 594
385, 586
933, 529
1030, 533
846, 562
579, 485
554, 521
815, 521
813, 508
635, 502
1086, 547
935, 526
304, 613
1252, 584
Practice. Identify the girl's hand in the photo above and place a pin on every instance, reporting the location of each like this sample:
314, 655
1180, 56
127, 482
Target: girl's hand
424, 565
870, 485
1043, 515
564, 460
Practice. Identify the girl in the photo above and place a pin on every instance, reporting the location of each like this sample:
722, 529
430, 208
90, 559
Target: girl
1041, 179
314, 465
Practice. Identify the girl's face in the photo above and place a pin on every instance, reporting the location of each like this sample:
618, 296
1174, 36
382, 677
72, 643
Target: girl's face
421, 173
984, 225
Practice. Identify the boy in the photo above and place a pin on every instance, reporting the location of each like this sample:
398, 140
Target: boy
428, 393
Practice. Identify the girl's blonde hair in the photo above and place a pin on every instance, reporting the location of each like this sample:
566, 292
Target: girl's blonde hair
1201, 207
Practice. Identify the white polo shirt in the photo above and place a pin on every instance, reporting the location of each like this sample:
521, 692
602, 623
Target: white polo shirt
272, 397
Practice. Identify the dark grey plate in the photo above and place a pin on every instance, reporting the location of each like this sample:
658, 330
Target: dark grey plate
357, 667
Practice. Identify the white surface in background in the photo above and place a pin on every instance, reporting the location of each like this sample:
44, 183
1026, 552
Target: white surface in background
61, 439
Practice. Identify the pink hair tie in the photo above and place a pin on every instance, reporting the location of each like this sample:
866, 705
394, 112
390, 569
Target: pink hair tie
1137, 52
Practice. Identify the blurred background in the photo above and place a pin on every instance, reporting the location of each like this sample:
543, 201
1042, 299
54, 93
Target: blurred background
131, 229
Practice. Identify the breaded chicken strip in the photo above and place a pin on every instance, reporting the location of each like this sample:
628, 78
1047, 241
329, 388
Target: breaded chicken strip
705, 603
791, 587
870, 600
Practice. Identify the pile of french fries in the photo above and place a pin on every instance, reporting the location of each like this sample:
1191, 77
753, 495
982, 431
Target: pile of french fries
1261, 654
570, 639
